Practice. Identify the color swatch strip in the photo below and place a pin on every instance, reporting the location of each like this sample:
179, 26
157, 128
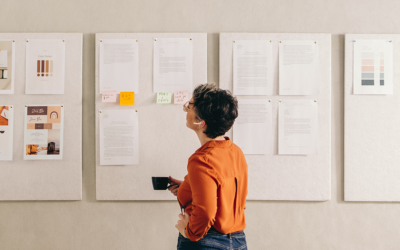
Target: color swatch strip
382, 69
44, 68
367, 69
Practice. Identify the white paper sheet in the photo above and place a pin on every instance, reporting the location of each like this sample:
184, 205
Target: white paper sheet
298, 67
298, 127
44, 132
252, 130
373, 67
173, 64
3, 58
252, 67
6, 132
7, 63
119, 137
119, 65
45, 66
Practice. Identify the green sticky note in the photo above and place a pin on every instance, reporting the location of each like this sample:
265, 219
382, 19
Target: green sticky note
164, 97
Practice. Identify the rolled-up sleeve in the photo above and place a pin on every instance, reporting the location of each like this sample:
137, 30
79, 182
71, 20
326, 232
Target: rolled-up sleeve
204, 187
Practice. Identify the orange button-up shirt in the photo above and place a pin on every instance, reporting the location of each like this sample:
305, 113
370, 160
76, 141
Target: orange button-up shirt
214, 190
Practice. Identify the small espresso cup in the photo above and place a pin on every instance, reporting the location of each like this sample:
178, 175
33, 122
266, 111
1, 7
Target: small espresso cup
160, 183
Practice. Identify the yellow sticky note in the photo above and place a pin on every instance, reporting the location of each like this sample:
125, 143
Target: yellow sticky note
164, 97
127, 98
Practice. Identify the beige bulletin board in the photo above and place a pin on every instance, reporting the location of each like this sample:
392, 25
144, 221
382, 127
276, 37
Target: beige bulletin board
287, 177
371, 133
46, 179
165, 143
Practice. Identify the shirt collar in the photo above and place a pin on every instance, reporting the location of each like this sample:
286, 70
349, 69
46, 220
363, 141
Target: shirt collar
217, 144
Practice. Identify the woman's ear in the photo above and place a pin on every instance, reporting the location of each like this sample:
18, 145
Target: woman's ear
202, 124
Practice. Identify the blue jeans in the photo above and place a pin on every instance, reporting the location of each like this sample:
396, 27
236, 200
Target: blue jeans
214, 241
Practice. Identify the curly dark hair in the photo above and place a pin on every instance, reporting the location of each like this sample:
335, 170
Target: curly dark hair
217, 107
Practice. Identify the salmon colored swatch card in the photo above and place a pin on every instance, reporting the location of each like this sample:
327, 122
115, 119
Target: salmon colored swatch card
109, 96
164, 97
127, 98
181, 96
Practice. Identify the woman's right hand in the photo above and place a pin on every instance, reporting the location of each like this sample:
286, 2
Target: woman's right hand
175, 184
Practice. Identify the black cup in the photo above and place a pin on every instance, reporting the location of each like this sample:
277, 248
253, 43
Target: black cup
160, 183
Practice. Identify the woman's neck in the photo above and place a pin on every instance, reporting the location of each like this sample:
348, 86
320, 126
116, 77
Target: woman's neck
204, 139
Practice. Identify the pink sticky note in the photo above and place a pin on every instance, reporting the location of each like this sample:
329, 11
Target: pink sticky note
181, 96
109, 96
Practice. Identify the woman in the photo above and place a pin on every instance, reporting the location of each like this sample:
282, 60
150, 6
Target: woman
213, 193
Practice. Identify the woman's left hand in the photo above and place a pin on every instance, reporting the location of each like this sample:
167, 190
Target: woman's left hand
182, 223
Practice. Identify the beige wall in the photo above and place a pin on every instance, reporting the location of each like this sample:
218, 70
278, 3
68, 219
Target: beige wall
89, 224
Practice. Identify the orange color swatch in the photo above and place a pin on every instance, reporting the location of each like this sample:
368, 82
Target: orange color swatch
367, 68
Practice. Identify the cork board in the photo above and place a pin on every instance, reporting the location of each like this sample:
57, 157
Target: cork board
46, 179
371, 137
165, 143
283, 177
